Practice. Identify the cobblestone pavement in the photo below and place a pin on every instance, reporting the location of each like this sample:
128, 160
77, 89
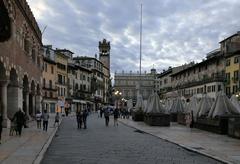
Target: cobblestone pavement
114, 145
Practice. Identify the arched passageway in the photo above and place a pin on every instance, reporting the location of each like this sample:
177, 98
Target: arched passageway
3, 94
13, 94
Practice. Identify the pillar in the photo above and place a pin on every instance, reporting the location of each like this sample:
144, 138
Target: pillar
26, 98
3, 94
38, 103
14, 99
33, 105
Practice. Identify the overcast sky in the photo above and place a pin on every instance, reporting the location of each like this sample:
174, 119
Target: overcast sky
174, 31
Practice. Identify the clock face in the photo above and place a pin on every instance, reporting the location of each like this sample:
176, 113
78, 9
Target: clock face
5, 23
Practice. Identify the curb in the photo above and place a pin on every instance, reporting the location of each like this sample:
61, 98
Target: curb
181, 145
40, 155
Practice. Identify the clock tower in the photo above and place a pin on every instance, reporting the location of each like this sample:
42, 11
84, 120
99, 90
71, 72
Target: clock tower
104, 53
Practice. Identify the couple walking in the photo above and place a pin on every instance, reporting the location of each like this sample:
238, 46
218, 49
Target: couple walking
44, 117
82, 118
107, 114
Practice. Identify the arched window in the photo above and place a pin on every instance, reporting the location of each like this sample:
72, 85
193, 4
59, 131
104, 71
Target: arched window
50, 84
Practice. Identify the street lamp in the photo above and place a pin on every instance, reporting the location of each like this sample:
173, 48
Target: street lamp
117, 94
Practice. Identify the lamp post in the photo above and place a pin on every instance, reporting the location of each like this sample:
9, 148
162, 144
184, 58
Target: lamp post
117, 94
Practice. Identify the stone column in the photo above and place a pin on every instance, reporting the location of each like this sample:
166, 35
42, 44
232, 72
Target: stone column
26, 98
38, 103
3, 94
13, 99
33, 105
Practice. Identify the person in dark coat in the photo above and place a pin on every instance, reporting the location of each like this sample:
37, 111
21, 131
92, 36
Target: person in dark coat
116, 116
79, 119
85, 114
1, 120
106, 115
20, 120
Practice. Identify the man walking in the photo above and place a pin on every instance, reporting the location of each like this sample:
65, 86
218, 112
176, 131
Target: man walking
45, 117
116, 115
79, 119
85, 114
20, 120
106, 115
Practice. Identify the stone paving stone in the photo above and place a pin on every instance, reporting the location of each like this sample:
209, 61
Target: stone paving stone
114, 145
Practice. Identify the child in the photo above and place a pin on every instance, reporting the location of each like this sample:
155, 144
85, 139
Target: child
57, 119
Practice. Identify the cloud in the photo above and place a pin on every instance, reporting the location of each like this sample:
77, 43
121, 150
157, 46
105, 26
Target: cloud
174, 32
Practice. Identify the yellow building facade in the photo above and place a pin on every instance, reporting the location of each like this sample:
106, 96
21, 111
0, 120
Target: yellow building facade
49, 88
230, 47
61, 78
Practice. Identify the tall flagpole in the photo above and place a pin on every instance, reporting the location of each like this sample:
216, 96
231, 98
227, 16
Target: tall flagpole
140, 65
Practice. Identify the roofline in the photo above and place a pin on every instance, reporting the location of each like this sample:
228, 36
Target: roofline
238, 33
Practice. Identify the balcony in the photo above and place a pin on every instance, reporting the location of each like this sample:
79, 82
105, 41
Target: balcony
50, 88
206, 79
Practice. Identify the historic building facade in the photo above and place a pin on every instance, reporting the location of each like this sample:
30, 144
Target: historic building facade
20, 60
230, 48
49, 87
205, 77
127, 83
97, 84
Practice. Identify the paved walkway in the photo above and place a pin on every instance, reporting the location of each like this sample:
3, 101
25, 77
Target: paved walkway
99, 144
217, 146
25, 149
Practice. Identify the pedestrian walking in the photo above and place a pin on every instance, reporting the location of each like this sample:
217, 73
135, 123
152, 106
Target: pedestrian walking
106, 115
39, 119
1, 120
45, 117
85, 114
20, 120
79, 115
116, 115
99, 111
57, 119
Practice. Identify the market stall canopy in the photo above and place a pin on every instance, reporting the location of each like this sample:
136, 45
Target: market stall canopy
140, 104
193, 106
154, 105
204, 106
222, 107
235, 102
177, 106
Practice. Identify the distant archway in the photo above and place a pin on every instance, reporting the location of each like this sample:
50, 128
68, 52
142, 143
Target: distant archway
13, 94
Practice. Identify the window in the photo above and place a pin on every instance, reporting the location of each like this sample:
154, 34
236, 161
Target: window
45, 67
219, 88
45, 94
209, 89
199, 69
60, 79
64, 91
52, 69
235, 76
84, 78
228, 62
50, 84
235, 89
235, 59
44, 82
61, 66
228, 90
213, 88
51, 94
227, 76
